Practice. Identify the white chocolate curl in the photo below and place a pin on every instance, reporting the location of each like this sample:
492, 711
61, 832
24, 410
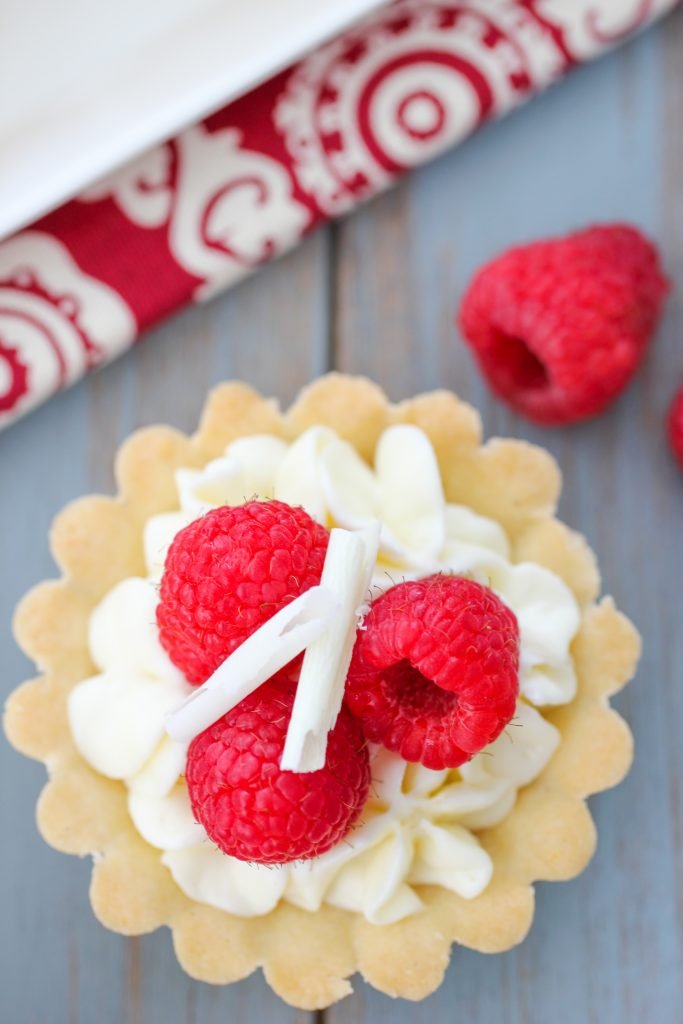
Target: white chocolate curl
348, 568
265, 652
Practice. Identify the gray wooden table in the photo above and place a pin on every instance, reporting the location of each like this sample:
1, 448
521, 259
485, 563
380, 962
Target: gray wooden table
375, 294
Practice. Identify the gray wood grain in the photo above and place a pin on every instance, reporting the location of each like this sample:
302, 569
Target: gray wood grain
377, 293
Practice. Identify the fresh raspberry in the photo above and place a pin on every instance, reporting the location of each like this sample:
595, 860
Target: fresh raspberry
560, 326
228, 573
675, 425
434, 674
254, 811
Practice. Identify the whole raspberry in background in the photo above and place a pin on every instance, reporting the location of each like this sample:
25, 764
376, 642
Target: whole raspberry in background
435, 672
559, 327
254, 811
675, 426
230, 571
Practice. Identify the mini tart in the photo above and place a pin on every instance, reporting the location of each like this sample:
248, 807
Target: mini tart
549, 835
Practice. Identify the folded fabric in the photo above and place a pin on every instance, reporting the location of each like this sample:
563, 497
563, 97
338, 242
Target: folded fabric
191, 216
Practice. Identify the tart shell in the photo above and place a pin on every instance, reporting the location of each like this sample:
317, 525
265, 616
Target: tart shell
308, 958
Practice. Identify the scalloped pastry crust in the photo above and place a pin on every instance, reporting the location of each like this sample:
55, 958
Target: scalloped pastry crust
306, 957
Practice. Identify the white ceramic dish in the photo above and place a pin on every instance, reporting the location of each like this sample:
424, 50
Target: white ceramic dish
88, 85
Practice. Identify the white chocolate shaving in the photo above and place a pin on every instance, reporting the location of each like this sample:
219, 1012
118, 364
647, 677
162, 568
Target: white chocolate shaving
264, 653
347, 571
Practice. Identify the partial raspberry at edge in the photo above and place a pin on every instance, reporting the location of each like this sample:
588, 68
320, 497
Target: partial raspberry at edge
559, 327
435, 671
254, 811
228, 573
675, 426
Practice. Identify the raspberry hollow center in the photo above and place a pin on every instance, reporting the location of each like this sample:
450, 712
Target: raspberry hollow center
525, 369
418, 695
435, 673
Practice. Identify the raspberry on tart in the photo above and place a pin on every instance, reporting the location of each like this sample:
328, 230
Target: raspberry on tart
252, 809
434, 674
228, 573
560, 326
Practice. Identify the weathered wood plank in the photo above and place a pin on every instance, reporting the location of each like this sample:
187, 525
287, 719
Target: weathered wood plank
58, 963
607, 946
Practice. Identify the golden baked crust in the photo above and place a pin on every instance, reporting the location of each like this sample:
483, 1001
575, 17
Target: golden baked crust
306, 957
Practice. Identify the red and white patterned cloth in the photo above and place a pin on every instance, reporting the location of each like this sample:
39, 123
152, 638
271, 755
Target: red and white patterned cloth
191, 216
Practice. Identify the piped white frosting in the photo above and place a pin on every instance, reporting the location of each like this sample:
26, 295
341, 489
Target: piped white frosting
418, 827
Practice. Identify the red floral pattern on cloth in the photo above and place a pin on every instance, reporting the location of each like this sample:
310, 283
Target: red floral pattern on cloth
195, 214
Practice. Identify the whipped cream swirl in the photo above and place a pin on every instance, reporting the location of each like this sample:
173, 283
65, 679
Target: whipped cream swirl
418, 827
